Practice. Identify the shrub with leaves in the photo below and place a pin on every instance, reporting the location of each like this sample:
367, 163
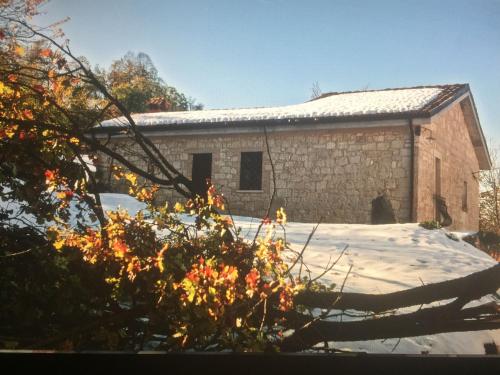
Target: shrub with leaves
198, 283
195, 284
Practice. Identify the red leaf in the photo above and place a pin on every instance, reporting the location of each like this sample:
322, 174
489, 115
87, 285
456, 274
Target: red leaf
49, 175
28, 114
39, 88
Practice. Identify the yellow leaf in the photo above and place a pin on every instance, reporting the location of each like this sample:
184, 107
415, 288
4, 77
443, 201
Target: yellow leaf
11, 131
132, 178
191, 294
59, 244
18, 50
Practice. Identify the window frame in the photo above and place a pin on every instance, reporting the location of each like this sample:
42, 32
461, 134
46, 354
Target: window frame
244, 186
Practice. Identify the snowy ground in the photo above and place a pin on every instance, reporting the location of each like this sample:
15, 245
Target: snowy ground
384, 258
388, 258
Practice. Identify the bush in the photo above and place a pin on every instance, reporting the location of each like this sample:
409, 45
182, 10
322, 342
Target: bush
200, 286
430, 224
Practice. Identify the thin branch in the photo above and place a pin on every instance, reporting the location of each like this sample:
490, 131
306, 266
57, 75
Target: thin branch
16, 254
273, 174
329, 268
303, 249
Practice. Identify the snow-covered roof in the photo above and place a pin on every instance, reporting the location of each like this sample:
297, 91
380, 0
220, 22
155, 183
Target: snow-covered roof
333, 105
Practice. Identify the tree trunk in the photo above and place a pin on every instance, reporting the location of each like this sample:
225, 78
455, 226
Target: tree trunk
472, 286
424, 322
309, 331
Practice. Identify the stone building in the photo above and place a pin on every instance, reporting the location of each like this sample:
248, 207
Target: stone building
332, 155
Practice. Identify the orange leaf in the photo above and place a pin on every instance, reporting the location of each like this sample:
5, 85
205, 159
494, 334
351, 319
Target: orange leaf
120, 248
12, 77
46, 52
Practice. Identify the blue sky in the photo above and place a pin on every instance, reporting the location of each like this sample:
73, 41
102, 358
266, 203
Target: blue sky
270, 52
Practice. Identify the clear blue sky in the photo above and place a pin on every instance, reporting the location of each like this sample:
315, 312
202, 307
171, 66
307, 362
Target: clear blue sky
245, 53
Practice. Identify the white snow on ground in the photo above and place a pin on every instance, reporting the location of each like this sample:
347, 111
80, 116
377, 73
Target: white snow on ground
385, 258
338, 105
86, 161
111, 202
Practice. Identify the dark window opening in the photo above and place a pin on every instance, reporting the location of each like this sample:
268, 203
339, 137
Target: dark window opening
202, 171
251, 171
437, 185
464, 197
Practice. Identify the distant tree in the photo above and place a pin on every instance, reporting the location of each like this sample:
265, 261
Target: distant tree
316, 90
134, 81
489, 203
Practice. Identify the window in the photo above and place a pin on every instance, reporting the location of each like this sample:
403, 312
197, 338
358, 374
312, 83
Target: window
251, 171
464, 197
201, 172
437, 186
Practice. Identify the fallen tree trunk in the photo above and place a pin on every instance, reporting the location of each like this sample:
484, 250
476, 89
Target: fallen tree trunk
452, 317
423, 322
469, 287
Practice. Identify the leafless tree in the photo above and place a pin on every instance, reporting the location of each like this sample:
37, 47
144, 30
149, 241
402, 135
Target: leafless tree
489, 218
316, 90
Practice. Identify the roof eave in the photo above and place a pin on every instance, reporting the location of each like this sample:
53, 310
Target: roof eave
268, 122
464, 96
481, 149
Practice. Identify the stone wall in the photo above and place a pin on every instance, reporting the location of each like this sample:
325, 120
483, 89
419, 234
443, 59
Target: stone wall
447, 138
333, 174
